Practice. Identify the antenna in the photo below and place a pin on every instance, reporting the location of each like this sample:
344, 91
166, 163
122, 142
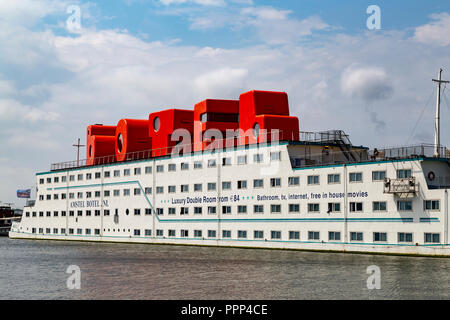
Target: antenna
437, 126
78, 145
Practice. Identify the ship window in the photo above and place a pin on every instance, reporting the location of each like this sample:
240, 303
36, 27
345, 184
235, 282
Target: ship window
172, 189
137, 232
197, 233
172, 211
56, 179
159, 190
172, 233
293, 181
55, 230
275, 208
294, 208
356, 236
334, 236
137, 171
87, 231
275, 235
80, 195
226, 162
106, 212
107, 193
431, 205
80, 177
126, 192
226, 233
404, 205
148, 211
334, 207
79, 213
355, 177
313, 235
71, 178
378, 175
294, 235
185, 166
160, 168
212, 210
403, 173
226, 209
242, 184
126, 172
88, 176
97, 231
185, 233
242, 234
49, 197
116, 173
379, 206
275, 156
212, 163
148, 190
258, 234
212, 233
356, 206
107, 174
49, 180
119, 142
405, 237
334, 178
156, 124
148, 232
226, 185
379, 236
184, 188
137, 191
88, 213
197, 210
198, 165
63, 179
211, 186
184, 210
242, 209
137, 212
313, 207
275, 182
97, 194
148, 170
172, 167
198, 187
116, 193
313, 180
258, 183
258, 158
242, 160
41, 181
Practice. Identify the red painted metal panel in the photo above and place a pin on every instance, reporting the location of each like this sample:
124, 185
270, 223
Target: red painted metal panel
101, 149
131, 140
212, 114
266, 111
163, 130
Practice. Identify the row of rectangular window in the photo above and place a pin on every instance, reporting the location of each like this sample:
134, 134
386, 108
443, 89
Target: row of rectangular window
402, 237
402, 205
274, 156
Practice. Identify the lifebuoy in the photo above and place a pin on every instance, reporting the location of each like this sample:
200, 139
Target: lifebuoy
431, 176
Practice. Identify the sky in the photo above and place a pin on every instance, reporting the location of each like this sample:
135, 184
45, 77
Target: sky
67, 64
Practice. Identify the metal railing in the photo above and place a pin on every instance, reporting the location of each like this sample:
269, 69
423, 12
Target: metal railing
345, 155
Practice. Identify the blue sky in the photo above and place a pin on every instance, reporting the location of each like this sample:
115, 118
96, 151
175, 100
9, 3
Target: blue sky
133, 57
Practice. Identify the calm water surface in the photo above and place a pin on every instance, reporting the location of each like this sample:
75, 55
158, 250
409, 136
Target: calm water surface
37, 270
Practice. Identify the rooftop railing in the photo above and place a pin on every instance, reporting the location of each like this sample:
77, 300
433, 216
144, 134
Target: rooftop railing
324, 158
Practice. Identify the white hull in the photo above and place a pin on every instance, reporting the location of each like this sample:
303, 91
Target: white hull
392, 230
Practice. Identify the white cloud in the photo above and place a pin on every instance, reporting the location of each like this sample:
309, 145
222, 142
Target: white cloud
368, 83
200, 2
436, 32
222, 82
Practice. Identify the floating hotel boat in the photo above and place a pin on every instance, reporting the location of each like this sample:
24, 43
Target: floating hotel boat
239, 173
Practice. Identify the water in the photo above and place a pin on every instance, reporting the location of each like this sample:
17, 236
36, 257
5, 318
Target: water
37, 270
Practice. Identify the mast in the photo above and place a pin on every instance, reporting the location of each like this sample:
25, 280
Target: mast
437, 125
78, 145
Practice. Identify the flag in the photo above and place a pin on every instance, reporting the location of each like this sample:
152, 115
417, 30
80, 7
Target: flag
24, 193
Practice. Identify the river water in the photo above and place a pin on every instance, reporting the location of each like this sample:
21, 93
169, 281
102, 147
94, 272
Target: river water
37, 270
